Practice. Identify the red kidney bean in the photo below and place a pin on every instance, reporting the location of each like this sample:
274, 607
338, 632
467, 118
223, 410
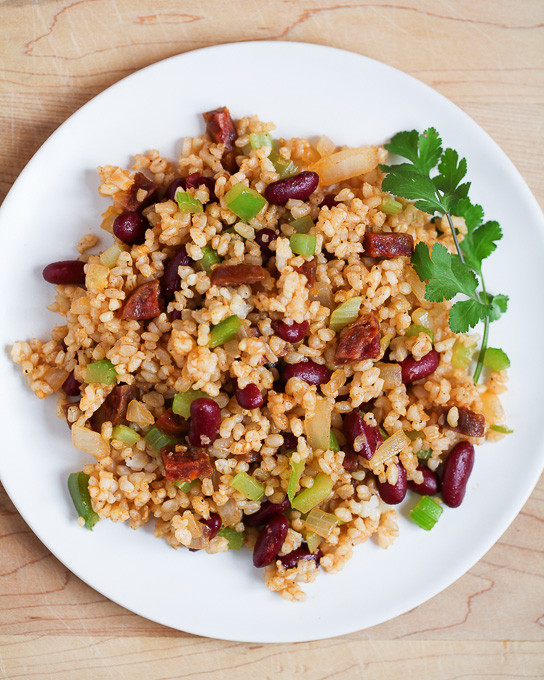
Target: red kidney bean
430, 484
195, 180
214, 524
71, 386
309, 371
350, 461
178, 183
457, 469
290, 442
329, 202
171, 280
300, 186
270, 540
205, 422
392, 494
293, 332
175, 315
292, 559
265, 512
363, 438
413, 370
130, 227
249, 397
263, 238
65, 273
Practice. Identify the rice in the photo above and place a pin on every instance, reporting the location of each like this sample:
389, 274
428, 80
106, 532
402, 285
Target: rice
162, 357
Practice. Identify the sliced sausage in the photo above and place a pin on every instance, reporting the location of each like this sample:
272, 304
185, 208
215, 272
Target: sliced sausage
172, 424
140, 193
360, 340
469, 423
388, 245
221, 130
183, 464
144, 302
237, 274
115, 406
309, 269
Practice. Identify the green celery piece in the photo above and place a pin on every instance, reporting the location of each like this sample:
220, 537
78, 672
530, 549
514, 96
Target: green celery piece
461, 355
247, 485
303, 244
416, 329
244, 201
78, 486
500, 428
187, 203
284, 168
496, 359
312, 541
424, 454
209, 258
183, 400
316, 494
125, 434
426, 513
186, 486
259, 139
303, 224
235, 538
334, 445
345, 313
384, 433
294, 478
224, 331
157, 439
389, 206
110, 256
102, 371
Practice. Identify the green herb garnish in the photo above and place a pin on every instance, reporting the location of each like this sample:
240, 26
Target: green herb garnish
445, 193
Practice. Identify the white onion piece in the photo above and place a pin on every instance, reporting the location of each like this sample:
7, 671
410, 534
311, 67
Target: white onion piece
346, 164
391, 374
90, 442
318, 425
391, 447
230, 513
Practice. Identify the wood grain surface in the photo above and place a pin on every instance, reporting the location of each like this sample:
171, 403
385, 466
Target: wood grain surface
487, 57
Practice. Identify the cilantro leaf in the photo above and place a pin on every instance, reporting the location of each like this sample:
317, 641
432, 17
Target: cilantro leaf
423, 151
404, 180
480, 243
473, 213
498, 305
446, 275
466, 314
404, 144
451, 171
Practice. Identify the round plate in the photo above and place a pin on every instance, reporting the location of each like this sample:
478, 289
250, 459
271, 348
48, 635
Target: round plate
354, 100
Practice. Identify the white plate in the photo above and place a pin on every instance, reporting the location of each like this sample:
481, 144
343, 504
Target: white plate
306, 90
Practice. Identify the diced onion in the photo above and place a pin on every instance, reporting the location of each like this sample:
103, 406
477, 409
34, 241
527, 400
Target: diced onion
110, 256
346, 164
391, 374
416, 284
321, 292
230, 513
318, 425
90, 442
492, 408
325, 146
96, 277
55, 377
320, 522
139, 414
422, 317
391, 447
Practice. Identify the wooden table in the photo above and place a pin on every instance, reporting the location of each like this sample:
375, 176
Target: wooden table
486, 56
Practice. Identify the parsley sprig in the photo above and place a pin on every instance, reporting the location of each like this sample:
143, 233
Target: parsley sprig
433, 178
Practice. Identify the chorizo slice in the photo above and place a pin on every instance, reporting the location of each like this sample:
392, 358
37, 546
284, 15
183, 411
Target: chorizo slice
144, 302
140, 193
183, 464
115, 406
237, 274
469, 423
388, 245
309, 269
360, 340
221, 130
172, 424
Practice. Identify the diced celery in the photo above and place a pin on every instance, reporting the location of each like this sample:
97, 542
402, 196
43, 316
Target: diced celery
125, 434
284, 168
186, 486
187, 203
383, 432
294, 478
320, 522
426, 513
303, 224
260, 139
303, 244
501, 428
424, 454
496, 359
235, 538
313, 541
316, 494
333, 443
390, 206
157, 439
461, 355
345, 313
110, 256
244, 202
209, 258
102, 371
224, 331
183, 400
416, 329
78, 486
248, 486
